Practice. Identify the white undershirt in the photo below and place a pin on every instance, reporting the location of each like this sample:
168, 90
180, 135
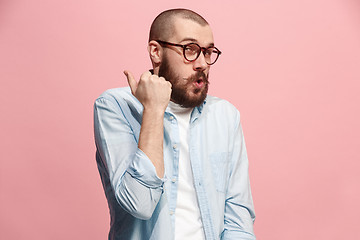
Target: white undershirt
188, 224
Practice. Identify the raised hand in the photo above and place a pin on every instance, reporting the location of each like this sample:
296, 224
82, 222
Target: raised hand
152, 91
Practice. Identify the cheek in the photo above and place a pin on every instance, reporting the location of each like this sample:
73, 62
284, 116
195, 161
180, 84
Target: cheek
181, 83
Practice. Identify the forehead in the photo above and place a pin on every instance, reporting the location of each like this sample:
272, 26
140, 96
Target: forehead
186, 29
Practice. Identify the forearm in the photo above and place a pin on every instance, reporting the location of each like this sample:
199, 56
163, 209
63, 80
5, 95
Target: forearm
122, 165
153, 92
151, 138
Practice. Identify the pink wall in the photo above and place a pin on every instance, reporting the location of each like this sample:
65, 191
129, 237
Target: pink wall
291, 67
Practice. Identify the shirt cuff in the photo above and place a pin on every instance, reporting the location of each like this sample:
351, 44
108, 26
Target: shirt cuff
144, 170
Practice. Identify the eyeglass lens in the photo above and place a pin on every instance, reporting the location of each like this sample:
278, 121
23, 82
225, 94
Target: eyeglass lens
192, 52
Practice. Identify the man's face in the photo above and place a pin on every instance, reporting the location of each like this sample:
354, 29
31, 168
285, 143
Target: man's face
189, 79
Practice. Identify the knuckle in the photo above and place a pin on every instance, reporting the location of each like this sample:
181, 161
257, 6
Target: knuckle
144, 79
145, 75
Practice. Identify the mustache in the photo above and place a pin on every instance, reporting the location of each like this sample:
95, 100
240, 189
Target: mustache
195, 77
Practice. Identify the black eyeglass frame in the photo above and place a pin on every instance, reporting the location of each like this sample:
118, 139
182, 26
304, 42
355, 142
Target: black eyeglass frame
202, 49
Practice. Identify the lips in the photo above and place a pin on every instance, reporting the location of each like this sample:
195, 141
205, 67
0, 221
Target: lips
199, 83
199, 80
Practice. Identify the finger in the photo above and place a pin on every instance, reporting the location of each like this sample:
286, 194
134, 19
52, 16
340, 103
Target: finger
145, 75
162, 79
131, 81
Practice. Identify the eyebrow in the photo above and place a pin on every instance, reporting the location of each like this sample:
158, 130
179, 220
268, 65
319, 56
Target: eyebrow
194, 40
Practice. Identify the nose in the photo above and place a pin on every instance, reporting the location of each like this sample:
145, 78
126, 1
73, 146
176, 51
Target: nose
200, 63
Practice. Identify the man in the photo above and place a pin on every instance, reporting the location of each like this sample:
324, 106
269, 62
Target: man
172, 160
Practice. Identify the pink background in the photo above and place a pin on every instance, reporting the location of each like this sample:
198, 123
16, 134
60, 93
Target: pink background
291, 67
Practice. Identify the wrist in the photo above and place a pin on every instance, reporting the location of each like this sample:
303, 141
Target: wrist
155, 112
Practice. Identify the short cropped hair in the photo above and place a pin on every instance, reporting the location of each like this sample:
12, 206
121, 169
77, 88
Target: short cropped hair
162, 27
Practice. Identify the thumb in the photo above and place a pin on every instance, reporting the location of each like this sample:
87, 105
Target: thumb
131, 81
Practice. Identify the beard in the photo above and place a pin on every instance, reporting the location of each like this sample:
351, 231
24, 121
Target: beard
183, 92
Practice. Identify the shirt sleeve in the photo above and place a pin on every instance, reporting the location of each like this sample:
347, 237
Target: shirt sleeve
130, 172
239, 209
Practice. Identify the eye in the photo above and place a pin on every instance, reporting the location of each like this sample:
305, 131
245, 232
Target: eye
191, 48
210, 51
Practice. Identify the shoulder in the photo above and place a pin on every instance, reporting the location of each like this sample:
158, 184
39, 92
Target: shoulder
118, 97
221, 107
119, 101
116, 94
220, 117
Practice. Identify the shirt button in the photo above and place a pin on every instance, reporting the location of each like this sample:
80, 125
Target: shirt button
174, 146
173, 180
171, 212
171, 117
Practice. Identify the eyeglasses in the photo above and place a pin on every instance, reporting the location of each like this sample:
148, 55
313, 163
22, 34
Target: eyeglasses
191, 51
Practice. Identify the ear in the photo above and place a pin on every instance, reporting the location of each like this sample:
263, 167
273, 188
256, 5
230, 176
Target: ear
155, 51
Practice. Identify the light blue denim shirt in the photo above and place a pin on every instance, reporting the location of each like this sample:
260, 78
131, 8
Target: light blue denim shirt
142, 205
